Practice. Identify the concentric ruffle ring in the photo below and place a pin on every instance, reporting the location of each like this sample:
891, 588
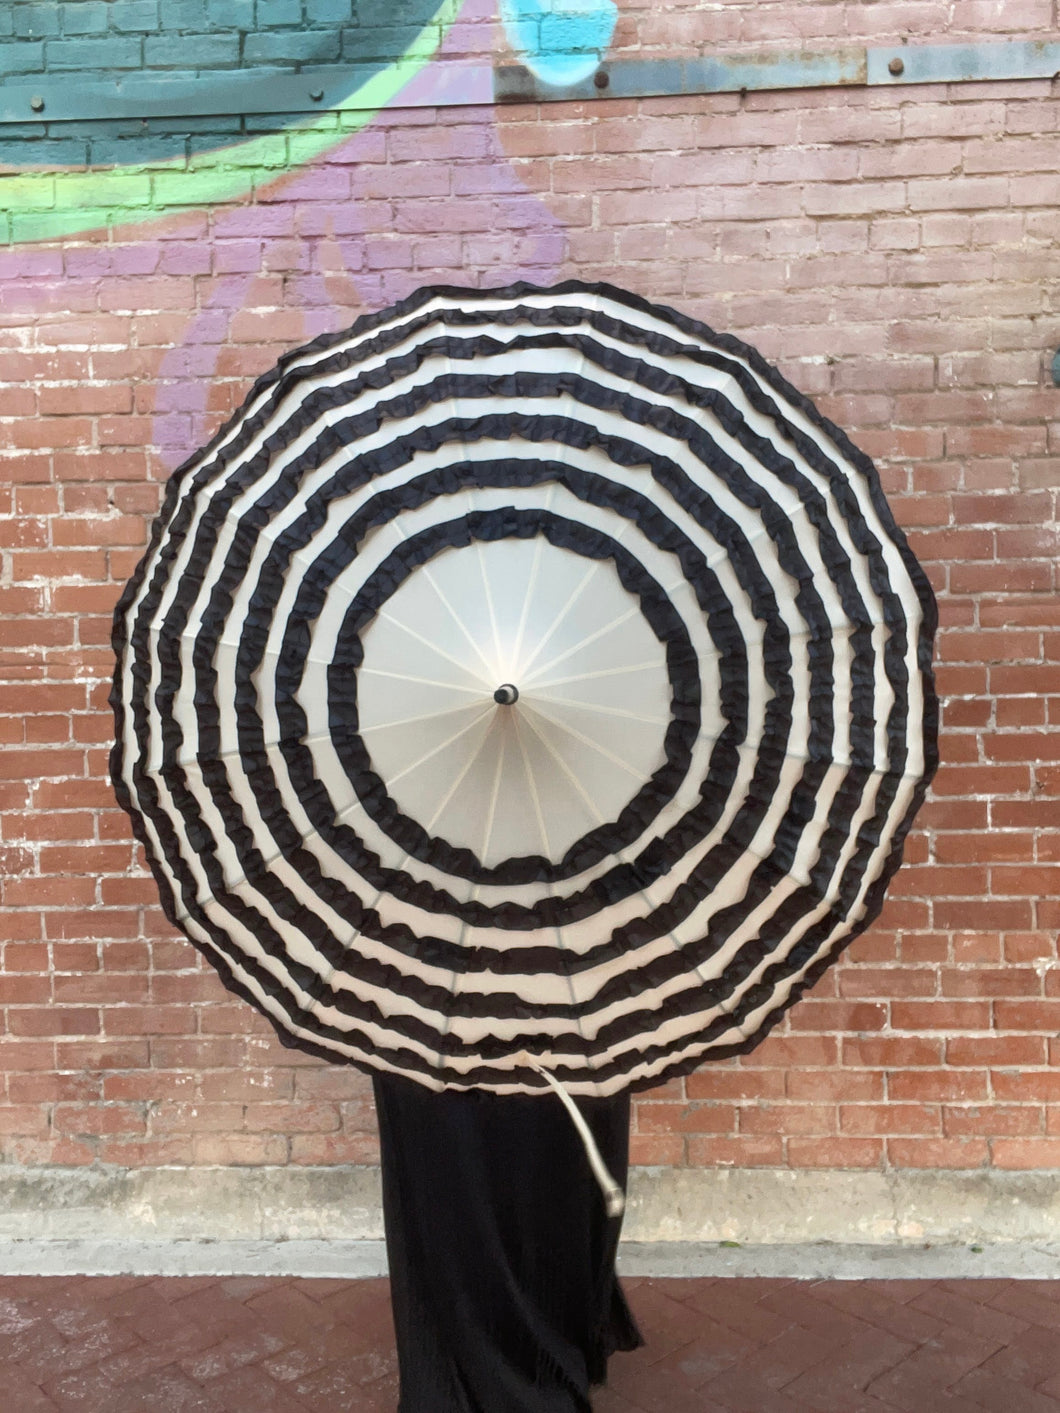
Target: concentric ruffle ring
717, 718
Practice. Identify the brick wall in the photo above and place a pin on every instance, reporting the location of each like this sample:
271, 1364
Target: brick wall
894, 251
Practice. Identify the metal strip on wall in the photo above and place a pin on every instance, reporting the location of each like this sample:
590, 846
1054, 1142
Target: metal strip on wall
886, 66
458, 83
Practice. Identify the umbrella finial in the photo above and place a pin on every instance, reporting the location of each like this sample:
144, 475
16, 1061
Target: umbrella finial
507, 694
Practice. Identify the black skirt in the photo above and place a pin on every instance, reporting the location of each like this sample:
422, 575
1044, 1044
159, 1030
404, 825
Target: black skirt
502, 1257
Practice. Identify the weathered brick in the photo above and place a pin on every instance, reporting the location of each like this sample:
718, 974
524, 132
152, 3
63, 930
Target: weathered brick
100, 54
36, 21
206, 51
893, 255
311, 46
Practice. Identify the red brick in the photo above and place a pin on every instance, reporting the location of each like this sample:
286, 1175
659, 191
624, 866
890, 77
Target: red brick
890, 1118
176, 1116
715, 1083
984, 780
976, 1050
752, 1152
1000, 981
1026, 1086
149, 1086
786, 1051
835, 1085
886, 982
962, 1085
31, 1020
1002, 914
992, 1120
19, 1056
28, 1119
97, 1119
769, 1118
648, 1150
1028, 1015
838, 1015
85, 858
363, 1148
337, 1082
954, 813
79, 398
1010, 881
290, 1118
985, 848
1026, 1152
145, 1020
239, 1150
955, 1153
1028, 946
941, 1015
827, 1151
24, 990
685, 1118
914, 947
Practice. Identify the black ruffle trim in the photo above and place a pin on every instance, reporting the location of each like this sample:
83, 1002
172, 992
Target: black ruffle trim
768, 873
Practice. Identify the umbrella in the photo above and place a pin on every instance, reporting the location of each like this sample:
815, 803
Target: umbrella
524, 680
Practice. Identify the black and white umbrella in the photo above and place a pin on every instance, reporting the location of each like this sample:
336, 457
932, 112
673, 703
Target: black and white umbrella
524, 678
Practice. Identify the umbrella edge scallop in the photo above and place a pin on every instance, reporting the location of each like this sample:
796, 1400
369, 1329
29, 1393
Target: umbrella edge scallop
599, 427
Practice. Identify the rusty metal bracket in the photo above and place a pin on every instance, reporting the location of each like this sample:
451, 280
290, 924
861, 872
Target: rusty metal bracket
963, 63
668, 78
884, 66
457, 83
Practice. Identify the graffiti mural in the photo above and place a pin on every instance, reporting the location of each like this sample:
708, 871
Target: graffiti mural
358, 58
136, 168
560, 43
304, 219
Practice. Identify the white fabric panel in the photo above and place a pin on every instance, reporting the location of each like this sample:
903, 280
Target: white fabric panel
588, 730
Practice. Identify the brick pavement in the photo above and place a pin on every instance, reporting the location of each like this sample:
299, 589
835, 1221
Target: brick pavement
272, 1345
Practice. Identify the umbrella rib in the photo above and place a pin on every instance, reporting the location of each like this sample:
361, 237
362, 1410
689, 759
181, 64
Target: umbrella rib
491, 812
568, 605
428, 642
415, 720
585, 740
456, 619
591, 806
421, 681
453, 788
454, 989
583, 643
480, 555
442, 745
599, 707
579, 787
426, 572
531, 586
600, 672
542, 827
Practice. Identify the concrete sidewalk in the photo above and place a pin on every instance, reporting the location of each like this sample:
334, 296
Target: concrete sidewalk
206, 1344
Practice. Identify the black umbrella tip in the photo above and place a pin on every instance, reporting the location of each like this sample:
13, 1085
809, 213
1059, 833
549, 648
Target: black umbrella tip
506, 694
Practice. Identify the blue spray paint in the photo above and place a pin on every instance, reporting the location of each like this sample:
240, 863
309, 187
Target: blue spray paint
560, 41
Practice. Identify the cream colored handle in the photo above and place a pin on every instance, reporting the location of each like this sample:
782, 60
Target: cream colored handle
614, 1198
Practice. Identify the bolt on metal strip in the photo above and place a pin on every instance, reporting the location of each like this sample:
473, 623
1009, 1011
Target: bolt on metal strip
456, 84
885, 66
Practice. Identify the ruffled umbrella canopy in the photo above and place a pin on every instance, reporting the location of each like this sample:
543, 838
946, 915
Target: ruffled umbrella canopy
524, 680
